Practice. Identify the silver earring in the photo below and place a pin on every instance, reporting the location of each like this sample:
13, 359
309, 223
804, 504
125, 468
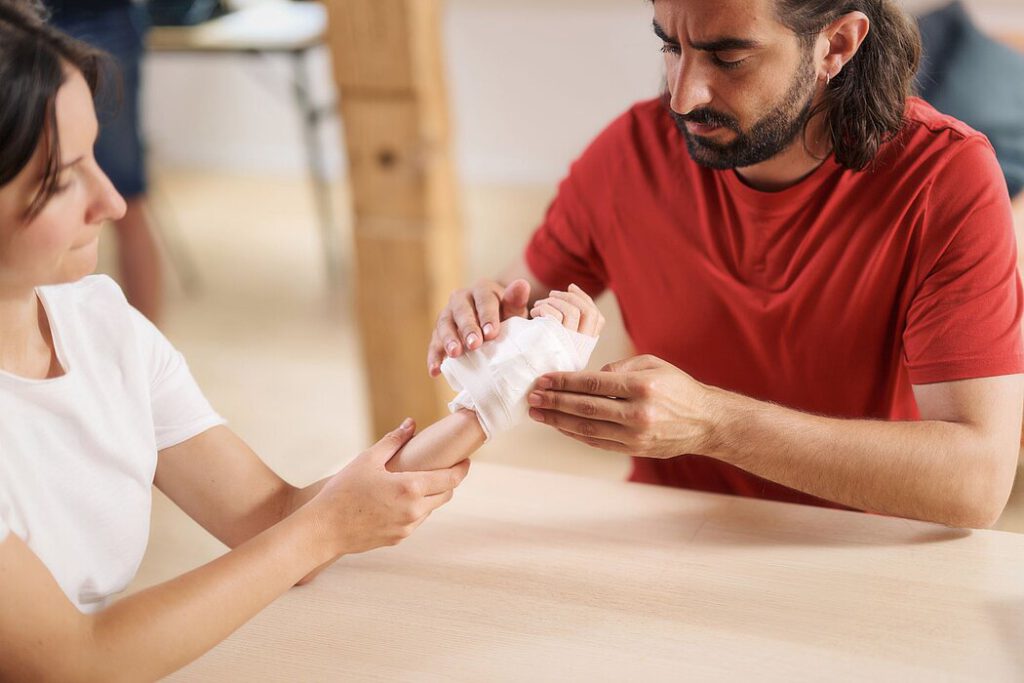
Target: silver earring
828, 79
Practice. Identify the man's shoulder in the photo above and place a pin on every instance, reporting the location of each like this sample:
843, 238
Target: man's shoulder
644, 136
926, 128
647, 119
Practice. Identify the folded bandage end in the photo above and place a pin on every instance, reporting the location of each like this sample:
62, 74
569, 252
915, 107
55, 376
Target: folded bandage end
493, 380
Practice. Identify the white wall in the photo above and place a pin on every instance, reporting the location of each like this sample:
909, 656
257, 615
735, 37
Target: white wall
530, 82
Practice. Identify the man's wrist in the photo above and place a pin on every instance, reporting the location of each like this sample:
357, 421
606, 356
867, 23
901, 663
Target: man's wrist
729, 415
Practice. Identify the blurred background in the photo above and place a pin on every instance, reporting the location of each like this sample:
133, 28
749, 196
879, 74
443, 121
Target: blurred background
270, 332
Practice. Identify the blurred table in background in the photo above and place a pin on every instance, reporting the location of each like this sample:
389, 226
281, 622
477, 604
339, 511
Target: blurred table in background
273, 27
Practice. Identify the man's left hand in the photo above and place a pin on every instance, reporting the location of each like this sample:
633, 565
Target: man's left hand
642, 406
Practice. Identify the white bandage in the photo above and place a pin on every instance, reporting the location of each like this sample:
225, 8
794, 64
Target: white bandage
493, 380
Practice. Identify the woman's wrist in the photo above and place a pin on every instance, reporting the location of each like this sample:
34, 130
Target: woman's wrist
321, 540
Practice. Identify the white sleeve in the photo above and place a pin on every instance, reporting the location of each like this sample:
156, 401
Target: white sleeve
180, 411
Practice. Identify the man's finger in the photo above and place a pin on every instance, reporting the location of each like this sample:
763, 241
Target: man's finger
448, 335
603, 444
488, 309
591, 429
514, 299
435, 355
582, 405
615, 384
464, 314
634, 363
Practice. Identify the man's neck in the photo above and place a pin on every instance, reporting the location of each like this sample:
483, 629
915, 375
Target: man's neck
793, 164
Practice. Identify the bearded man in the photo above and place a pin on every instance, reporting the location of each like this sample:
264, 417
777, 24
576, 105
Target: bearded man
817, 268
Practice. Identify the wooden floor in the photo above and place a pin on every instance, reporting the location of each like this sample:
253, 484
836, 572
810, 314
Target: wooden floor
276, 351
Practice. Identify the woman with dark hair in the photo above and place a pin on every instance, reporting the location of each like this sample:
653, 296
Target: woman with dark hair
91, 393
98, 407
119, 27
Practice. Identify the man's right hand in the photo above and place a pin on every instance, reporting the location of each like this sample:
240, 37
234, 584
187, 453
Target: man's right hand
472, 316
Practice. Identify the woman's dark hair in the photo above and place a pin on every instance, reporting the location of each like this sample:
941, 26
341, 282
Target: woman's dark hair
864, 104
33, 59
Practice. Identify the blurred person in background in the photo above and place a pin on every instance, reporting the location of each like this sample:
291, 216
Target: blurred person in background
119, 27
970, 75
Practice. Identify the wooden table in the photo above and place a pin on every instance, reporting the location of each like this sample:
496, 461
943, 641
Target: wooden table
537, 576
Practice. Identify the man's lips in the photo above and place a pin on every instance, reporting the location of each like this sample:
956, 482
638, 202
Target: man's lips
702, 128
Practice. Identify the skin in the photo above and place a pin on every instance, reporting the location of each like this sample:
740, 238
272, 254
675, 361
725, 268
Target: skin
278, 535
955, 466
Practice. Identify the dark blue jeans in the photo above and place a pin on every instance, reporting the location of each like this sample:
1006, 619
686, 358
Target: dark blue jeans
120, 31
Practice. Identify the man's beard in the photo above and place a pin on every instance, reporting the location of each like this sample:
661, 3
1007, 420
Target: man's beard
772, 134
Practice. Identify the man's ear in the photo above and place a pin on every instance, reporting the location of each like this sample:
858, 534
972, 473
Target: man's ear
839, 42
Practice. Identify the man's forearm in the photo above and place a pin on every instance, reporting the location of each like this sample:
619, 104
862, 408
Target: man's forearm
944, 472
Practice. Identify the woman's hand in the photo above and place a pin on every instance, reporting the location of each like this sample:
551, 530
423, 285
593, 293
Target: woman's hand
574, 309
364, 506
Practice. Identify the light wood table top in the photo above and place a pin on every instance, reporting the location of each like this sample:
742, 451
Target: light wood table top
538, 576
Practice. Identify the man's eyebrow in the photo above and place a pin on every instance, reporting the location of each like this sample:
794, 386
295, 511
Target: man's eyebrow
724, 44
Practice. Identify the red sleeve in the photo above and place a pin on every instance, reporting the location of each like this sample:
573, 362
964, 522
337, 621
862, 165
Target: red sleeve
965, 318
565, 248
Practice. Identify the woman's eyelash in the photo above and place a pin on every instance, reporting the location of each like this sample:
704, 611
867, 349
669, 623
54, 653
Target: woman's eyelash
670, 49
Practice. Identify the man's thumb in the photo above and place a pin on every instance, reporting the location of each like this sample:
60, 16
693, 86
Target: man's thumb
515, 298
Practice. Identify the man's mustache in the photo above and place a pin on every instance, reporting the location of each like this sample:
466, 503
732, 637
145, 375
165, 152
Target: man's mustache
708, 117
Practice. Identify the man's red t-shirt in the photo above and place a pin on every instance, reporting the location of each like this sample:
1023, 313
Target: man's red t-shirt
833, 296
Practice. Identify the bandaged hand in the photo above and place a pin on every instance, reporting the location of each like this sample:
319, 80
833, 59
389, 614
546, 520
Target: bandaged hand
494, 380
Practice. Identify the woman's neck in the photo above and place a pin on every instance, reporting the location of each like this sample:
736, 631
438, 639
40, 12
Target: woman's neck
26, 342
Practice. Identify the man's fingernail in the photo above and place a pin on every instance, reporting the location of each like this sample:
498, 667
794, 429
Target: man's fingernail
406, 424
451, 347
537, 415
487, 329
535, 398
544, 383
471, 339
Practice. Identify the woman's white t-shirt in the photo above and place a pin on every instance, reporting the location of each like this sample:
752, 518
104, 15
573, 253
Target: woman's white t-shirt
78, 452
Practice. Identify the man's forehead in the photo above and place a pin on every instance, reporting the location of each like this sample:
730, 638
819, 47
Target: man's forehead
706, 20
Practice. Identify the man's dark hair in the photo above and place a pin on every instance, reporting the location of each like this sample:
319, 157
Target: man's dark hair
33, 56
864, 104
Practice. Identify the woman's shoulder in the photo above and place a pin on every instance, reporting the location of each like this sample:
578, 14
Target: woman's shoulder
92, 291
95, 305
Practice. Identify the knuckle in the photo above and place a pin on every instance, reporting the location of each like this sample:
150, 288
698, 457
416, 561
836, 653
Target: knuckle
588, 408
587, 429
592, 385
408, 489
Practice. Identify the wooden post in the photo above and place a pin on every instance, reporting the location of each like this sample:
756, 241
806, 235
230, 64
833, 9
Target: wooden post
389, 71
